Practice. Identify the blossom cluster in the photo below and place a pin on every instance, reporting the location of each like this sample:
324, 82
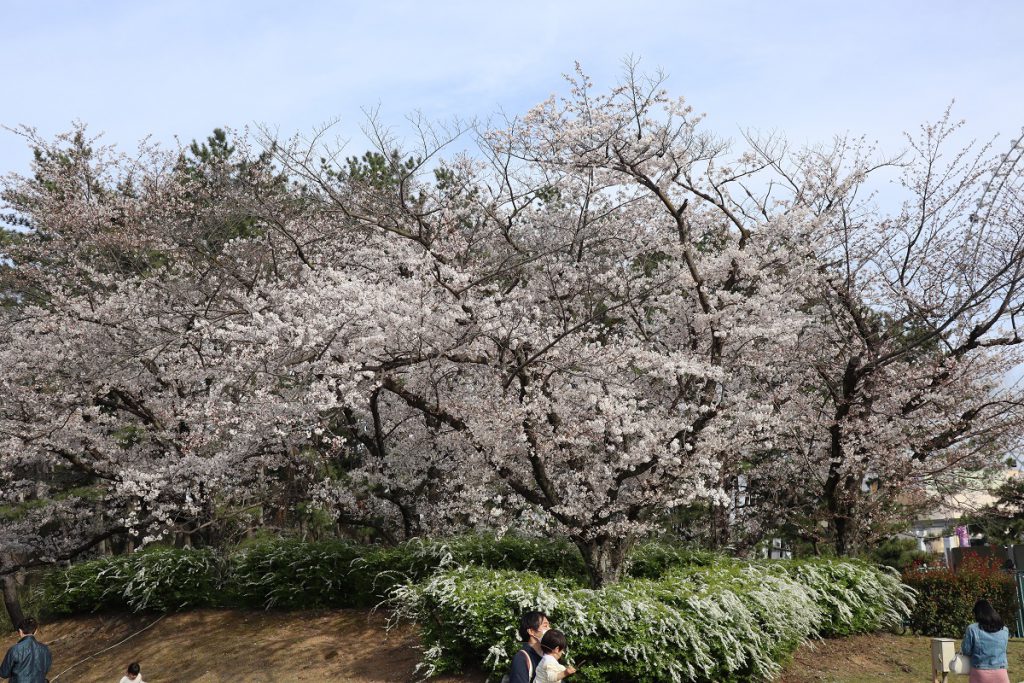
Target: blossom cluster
602, 316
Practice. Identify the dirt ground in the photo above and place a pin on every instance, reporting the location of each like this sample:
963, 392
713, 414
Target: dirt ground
214, 646
352, 646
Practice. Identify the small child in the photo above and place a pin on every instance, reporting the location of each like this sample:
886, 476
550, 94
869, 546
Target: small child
134, 674
554, 646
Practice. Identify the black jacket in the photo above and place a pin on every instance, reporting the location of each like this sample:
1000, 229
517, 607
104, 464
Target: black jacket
520, 671
27, 662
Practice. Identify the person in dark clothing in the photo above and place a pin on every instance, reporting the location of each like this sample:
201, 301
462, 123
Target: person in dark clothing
532, 626
29, 660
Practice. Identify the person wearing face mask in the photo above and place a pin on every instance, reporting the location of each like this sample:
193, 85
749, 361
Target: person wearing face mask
554, 646
532, 627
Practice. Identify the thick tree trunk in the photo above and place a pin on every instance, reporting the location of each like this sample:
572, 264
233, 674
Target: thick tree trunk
721, 532
605, 558
838, 483
834, 508
11, 601
841, 540
839, 519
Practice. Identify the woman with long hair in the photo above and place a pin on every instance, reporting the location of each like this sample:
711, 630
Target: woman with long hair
985, 643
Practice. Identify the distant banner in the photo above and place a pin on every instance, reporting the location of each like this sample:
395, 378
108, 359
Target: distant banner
963, 536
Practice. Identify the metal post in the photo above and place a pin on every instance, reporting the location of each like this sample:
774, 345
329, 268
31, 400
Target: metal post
1019, 581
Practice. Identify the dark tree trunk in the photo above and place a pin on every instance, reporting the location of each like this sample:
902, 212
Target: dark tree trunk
837, 484
11, 601
841, 537
721, 531
605, 558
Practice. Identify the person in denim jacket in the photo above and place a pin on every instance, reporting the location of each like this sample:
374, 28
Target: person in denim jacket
985, 643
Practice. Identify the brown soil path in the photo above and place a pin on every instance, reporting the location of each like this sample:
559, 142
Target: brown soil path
215, 646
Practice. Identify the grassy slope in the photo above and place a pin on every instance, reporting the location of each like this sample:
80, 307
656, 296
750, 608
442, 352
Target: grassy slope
210, 646
883, 657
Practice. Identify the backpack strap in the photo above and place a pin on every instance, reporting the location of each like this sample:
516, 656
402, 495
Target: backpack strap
529, 666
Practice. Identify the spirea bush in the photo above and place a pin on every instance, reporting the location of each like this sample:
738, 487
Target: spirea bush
288, 574
855, 597
728, 621
946, 598
159, 579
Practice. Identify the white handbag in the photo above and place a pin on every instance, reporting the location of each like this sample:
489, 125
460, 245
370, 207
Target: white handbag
960, 664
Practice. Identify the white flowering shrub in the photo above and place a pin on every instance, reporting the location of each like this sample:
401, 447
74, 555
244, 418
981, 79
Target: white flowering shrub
288, 573
855, 597
159, 579
732, 621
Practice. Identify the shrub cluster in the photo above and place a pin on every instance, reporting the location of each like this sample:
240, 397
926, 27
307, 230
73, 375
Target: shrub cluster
898, 553
653, 560
853, 595
946, 598
679, 616
294, 574
286, 574
161, 579
722, 621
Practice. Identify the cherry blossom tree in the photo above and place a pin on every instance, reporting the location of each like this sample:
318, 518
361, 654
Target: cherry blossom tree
593, 315
577, 311
107, 430
903, 390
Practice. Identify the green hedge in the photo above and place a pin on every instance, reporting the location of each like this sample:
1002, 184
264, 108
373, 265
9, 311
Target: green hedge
680, 616
286, 574
160, 579
946, 599
654, 560
727, 621
293, 574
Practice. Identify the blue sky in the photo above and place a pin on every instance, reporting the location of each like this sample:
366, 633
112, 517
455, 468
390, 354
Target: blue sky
808, 69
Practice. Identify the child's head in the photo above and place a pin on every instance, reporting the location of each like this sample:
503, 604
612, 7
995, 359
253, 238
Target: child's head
554, 643
134, 670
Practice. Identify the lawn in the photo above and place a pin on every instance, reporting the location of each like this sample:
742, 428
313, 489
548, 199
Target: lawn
860, 659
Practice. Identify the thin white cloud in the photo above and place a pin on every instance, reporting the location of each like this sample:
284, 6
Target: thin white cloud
806, 68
